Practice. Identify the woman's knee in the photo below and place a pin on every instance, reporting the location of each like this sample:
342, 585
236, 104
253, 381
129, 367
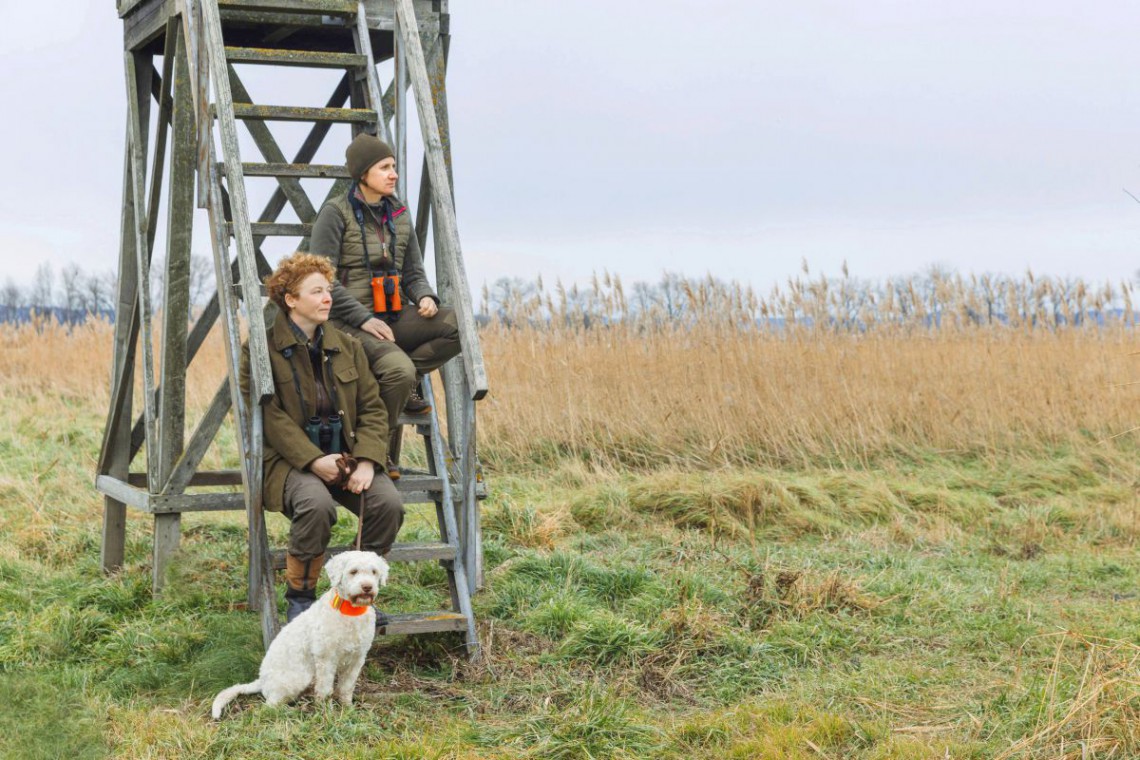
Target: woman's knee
307, 498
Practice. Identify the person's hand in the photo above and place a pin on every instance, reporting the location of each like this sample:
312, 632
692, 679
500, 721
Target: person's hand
378, 329
325, 468
361, 480
428, 309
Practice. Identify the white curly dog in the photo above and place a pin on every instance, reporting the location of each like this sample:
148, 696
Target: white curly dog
326, 643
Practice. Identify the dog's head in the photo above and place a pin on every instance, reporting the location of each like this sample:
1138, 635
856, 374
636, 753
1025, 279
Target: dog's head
357, 576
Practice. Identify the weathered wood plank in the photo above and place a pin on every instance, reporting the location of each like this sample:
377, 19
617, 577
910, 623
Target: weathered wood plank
167, 504
401, 146
417, 552
266, 229
199, 479
176, 300
307, 7
145, 23
423, 622
303, 58
114, 456
324, 171
250, 111
167, 534
445, 508
172, 401
138, 88
261, 380
261, 593
442, 204
363, 42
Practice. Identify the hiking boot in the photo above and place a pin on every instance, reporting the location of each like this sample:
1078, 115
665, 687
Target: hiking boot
301, 583
298, 602
416, 404
382, 621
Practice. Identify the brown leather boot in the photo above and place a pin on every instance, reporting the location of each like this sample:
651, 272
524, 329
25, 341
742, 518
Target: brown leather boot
395, 443
301, 584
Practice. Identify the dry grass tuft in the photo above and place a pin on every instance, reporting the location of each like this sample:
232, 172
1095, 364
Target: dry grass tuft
1089, 705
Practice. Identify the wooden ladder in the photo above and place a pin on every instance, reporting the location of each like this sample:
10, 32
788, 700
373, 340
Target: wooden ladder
230, 107
199, 91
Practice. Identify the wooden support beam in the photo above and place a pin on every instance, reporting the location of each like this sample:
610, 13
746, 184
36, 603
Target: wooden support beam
363, 41
176, 298
176, 301
159, 504
114, 455
138, 88
247, 412
442, 204
401, 146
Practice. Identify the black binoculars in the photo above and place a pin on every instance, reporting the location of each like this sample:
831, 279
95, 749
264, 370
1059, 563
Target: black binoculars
325, 435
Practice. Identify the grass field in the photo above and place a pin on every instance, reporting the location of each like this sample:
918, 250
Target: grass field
807, 544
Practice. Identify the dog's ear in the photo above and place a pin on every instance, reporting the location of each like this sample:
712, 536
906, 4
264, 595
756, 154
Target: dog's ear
335, 569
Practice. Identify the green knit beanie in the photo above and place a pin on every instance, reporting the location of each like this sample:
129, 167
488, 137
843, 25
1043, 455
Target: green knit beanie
362, 152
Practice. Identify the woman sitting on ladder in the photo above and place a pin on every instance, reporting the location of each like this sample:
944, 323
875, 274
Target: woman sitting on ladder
325, 402
382, 296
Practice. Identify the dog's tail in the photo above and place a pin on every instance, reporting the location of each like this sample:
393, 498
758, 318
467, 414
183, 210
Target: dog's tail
225, 696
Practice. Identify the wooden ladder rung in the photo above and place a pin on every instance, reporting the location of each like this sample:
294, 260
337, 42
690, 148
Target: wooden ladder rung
255, 112
423, 622
306, 7
419, 552
290, 170
267, 229
316, 59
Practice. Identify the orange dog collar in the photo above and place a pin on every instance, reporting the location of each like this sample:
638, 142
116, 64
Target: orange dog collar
345, 607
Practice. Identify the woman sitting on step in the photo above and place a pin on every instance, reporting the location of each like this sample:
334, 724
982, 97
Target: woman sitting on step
325, 402
382, 296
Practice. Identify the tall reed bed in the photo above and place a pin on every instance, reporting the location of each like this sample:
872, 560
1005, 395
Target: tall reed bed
704, 374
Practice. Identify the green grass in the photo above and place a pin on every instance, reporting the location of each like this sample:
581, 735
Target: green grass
927, 606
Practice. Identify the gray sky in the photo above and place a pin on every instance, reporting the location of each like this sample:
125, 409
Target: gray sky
725, 136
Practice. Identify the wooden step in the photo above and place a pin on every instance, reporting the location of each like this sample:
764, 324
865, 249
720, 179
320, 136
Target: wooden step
346, 8
314, 59
415, 419
291, 170
255, 112
423, 622
415, 488
267, 229
399, 553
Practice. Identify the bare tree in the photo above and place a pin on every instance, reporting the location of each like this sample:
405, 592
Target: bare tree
10, 296
43, 287
71, 280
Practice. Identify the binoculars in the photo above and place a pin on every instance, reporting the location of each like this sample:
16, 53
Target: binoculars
325, 435
386, 295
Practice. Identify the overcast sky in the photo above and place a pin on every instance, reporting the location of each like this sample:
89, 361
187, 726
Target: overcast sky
725, 136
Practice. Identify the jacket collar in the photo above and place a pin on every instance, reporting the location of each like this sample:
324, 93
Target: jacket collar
285, 337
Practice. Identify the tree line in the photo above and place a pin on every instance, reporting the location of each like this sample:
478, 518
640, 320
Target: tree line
71, 293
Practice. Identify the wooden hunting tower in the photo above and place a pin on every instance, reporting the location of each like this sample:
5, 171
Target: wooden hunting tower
200, 100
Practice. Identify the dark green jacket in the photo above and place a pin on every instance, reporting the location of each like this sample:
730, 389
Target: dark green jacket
362, 413
336, 234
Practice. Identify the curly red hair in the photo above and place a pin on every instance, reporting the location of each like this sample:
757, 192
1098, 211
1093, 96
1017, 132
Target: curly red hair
291, 271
